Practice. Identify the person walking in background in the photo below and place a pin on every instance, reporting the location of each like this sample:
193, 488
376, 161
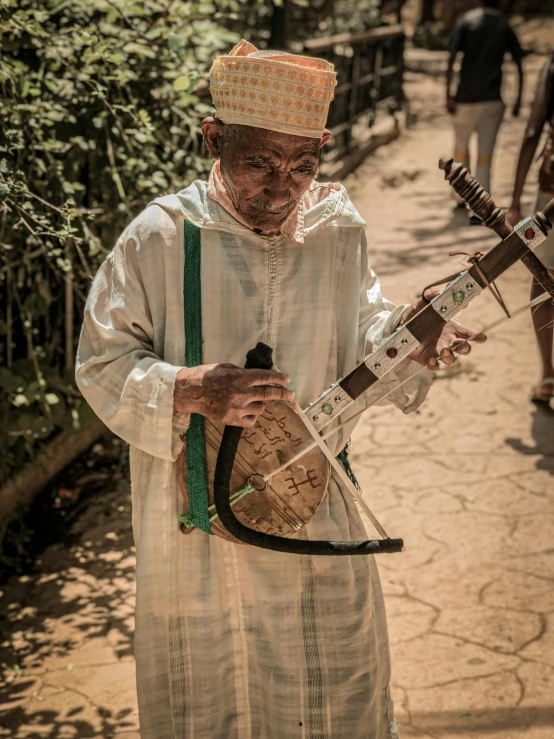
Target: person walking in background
542, 111
483, 36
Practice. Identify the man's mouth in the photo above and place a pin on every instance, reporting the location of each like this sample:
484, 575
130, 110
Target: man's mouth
272, 208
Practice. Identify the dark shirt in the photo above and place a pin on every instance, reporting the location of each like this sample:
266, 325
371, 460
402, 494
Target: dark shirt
484, 36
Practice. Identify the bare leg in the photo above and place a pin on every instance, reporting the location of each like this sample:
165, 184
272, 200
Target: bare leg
464, 121
543, 320
487, 131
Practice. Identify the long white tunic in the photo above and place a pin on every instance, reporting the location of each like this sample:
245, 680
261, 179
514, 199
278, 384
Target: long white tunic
235, 642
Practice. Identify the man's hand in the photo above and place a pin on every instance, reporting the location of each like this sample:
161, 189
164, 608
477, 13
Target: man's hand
228, 394
453, 339
450, 104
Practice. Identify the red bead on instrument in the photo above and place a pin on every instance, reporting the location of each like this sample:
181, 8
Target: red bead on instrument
392, 352
529, 234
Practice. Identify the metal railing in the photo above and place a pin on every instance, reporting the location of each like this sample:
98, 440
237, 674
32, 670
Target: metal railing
370, 70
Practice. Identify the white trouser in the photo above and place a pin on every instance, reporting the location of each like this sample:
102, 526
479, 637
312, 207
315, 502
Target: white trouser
485, 118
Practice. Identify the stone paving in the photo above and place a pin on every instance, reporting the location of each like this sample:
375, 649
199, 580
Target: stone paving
68, 643
467, 481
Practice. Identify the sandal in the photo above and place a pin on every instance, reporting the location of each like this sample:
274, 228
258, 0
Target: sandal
540, 396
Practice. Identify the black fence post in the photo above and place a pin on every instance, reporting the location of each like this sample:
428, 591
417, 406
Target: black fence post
370, 68
279, 24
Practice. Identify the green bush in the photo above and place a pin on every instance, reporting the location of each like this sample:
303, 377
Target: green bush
98, 116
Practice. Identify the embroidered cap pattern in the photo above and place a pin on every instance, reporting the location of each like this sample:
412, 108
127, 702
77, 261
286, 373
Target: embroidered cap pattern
274, 90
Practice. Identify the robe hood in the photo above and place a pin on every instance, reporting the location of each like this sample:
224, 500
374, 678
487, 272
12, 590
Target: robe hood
193, 204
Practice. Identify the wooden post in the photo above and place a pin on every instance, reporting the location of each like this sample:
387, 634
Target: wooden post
426, 12
376, 90
279, 34
399, 5
353, 95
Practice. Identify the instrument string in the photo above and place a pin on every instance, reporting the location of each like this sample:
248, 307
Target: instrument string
340, 471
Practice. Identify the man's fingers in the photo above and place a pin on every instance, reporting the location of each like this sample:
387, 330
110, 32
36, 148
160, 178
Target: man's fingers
269, 392
247, 421
464, 333
479, 338
433, 364
255, 408
253, 377
447, 356
461, 331
430, 293
461, 347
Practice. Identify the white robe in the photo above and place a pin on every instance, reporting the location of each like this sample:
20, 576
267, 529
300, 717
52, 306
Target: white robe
235, 642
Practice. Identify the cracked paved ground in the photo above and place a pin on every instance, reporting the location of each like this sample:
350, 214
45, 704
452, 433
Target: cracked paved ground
66, 646
468, 481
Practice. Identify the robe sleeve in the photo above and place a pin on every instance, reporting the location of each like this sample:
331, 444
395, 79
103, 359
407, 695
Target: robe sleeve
120, 375
379, 318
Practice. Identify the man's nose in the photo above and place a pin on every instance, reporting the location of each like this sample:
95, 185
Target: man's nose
277, 188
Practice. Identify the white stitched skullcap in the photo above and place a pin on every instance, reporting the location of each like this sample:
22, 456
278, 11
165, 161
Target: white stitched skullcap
272, 89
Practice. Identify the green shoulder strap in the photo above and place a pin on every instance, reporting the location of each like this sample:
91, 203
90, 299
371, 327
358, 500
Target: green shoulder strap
197, 473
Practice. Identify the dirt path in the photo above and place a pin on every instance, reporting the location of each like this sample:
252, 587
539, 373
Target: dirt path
468, 482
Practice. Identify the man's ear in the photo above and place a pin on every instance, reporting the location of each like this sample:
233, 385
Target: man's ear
325, 138
212, 130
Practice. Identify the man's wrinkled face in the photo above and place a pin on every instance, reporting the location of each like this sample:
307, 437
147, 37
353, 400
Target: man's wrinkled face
265, 172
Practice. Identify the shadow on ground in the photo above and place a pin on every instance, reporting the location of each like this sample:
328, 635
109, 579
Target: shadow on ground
432, 242
481, 723
67, 630
51, 725
542, 431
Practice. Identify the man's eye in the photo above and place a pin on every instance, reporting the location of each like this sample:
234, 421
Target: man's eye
257, 165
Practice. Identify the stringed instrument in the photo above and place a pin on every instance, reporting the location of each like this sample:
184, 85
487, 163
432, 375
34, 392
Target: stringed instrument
266, 483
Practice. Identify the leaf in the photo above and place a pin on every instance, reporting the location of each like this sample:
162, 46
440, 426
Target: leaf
20, 400
117, 58
181, 83
141, 49
99, 114
187, 99
9, 382
85, 415
52, 86
144, 116
175, 43
159, 179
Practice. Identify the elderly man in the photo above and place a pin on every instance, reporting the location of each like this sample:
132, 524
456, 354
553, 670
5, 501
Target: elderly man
234, 642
